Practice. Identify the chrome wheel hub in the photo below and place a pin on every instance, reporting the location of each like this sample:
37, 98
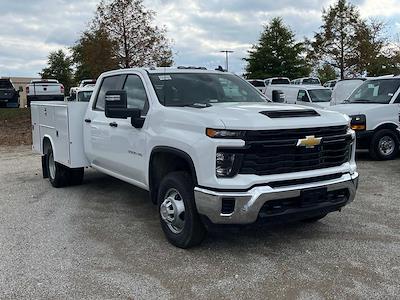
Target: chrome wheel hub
172, 211
387, 145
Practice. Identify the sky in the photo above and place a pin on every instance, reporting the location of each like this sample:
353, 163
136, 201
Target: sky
30, 29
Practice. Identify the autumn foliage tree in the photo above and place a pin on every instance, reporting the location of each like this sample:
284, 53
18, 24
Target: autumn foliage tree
138, 42
94, 53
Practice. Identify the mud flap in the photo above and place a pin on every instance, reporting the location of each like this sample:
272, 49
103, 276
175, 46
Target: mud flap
44, 167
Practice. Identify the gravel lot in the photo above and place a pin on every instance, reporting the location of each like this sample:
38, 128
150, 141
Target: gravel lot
103, 240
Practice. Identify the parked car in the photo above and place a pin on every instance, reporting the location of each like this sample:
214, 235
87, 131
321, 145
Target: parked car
307, 81
85, 93
44, 90
344, 88
85, 82
374, 109
9, 96
331, 83
206, 145
309, 95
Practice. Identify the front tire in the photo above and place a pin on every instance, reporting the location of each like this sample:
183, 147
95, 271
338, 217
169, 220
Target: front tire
179, 218
384, 145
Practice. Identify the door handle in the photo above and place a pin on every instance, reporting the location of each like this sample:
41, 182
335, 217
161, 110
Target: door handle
113, 124
88, 121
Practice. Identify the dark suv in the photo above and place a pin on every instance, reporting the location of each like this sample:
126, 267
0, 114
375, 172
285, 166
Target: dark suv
9, 97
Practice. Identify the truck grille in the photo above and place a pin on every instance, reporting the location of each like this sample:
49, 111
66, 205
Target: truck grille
276, 151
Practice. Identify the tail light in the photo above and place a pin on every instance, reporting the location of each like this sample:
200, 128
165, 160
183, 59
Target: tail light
27, 89
62, 89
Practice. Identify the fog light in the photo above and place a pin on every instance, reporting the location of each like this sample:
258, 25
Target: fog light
224, 166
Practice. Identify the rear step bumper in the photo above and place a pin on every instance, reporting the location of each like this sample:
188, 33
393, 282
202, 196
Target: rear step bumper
266, 202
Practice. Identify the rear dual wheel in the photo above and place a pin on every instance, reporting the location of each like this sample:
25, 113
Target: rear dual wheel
60, 175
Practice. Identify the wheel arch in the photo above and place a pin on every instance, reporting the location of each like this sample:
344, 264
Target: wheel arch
390, 126
163, 160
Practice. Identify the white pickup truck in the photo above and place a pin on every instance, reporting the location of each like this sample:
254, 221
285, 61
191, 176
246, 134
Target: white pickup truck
207, 145
44, 90
374, 108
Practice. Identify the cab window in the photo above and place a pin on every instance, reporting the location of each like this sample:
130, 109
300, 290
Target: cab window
302, 96
136, 93
112, 83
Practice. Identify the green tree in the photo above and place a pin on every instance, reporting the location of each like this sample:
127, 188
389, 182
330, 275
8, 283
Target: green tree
60, 68
335, 44
93, 54
326, 73
277, 54
139, 42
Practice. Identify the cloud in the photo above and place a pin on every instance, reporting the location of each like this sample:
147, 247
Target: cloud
199, 29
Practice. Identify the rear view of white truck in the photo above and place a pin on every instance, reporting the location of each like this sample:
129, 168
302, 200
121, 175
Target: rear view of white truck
209, 148
44, 90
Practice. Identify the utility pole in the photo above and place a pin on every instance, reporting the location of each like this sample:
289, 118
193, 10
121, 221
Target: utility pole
227, 52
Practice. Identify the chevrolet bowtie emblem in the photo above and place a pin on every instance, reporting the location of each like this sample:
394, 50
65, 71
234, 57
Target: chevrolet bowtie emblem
309, 142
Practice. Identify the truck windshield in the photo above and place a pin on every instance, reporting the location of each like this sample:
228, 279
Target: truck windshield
192, 89
322, 95
311, 81
375, 91
280, 81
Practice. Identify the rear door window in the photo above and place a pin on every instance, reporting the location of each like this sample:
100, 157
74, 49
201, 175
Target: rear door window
280, 81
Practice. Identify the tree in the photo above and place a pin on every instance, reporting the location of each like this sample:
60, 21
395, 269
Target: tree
326, 73
60, 68
277, 54
336, 43
129, 25
93, 54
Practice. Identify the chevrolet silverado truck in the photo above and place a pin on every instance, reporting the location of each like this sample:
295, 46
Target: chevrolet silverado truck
44, 90
209, 148
374, 109
9, 96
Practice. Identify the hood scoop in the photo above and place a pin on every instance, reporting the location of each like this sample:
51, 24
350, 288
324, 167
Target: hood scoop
281, 114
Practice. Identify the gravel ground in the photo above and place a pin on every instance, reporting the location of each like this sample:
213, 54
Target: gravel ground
103, 240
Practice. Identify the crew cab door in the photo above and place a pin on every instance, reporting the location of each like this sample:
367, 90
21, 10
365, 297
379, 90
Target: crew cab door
114, 144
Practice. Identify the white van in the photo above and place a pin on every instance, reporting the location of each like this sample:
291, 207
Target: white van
374, 108
344, 88
309, 95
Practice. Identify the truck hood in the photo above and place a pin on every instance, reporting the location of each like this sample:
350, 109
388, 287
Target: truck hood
352, 109
251, 116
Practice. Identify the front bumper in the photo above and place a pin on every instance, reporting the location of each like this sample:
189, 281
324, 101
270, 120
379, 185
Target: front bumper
250, 205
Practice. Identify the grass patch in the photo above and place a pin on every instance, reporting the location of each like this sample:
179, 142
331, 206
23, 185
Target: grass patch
14, 113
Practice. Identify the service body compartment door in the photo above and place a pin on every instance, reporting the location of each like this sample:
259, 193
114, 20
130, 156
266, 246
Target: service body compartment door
61, 140
36, 140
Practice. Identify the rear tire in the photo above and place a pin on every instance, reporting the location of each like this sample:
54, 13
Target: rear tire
59, 175
384, 145
179, 218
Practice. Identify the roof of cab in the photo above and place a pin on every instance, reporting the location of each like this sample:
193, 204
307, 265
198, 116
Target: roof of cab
165, 70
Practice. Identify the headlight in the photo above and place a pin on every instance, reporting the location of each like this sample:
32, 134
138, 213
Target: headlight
224, 134
358, 122
225, 164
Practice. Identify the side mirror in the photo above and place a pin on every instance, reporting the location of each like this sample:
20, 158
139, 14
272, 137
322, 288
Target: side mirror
116, 107
305, 99
278, 96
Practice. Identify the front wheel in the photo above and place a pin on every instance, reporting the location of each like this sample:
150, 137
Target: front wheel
384, 145
179, 218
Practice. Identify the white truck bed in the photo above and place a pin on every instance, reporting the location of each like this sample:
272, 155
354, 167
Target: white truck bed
62, 124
